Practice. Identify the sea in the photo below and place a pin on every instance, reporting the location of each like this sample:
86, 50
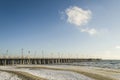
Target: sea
111, 64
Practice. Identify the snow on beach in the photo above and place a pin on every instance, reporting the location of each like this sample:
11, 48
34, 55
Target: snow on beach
8, 76
64, 75
111, 73
51, 74
56, 74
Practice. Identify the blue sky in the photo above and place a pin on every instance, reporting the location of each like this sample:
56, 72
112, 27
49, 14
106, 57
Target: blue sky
51, 25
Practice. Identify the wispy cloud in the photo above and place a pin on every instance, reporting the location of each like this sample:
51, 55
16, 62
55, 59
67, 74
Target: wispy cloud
91, 31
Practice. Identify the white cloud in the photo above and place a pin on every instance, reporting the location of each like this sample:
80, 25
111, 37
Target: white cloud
91, 31
80, 17
118, 47
77, 16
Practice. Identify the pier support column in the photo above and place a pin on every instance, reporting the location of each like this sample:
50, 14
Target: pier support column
52, 61
12, 62
5, 62
39, 61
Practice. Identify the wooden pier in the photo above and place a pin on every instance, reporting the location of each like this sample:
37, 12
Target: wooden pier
22, 61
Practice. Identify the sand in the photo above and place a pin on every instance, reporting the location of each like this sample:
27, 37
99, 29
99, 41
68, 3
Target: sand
64, 72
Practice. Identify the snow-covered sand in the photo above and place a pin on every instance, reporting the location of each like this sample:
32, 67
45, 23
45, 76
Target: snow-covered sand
56, 74
8, 76
111, 73
52, 74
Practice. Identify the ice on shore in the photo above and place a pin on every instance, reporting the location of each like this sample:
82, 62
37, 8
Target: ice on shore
57, 74
110, 73
50, 74
8, 76
65, 75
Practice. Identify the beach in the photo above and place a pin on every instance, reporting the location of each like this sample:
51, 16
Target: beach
60, 72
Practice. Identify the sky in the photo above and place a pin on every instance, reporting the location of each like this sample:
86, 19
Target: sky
66, 28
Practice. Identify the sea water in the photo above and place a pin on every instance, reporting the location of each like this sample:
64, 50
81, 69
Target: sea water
112, 64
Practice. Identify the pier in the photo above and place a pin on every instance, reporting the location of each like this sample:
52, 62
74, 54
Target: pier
38, 61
